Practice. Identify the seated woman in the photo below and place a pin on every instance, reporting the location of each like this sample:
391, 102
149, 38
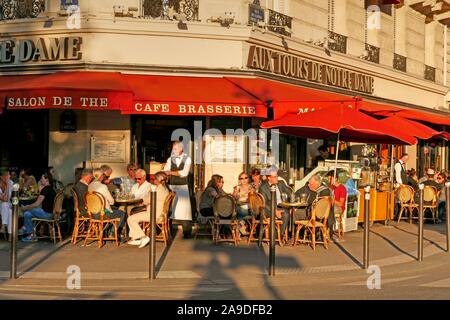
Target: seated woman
142, 190
5, 205
212, 191
27, 182
42, 208
240, 193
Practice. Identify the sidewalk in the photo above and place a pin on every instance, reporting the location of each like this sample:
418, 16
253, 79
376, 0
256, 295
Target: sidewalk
201, 259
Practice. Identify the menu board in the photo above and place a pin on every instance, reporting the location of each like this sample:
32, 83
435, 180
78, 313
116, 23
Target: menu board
108, 149
222, 149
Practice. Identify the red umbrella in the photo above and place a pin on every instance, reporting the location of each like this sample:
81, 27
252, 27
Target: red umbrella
341, 120
415, 128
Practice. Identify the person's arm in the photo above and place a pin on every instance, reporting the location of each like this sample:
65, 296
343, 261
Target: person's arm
34, 205
398, 170
167, 166
107, 195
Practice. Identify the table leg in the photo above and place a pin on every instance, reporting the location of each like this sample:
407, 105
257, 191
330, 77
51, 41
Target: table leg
292, 223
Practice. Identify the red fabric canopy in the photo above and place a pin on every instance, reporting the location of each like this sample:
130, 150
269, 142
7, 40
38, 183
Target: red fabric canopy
415, 128
68, 90
351, 125
191, 96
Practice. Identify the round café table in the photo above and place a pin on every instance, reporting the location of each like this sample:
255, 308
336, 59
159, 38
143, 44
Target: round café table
123, 202
292, 206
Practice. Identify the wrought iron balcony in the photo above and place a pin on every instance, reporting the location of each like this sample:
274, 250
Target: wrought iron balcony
399, 62
430, 73
20, 9
166, 9
339, 44
372, 53
282, 20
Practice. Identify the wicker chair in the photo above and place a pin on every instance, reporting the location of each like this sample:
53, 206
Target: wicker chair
95, 204
225, 214
257, 205
405, 196
204, 226
52, 224
320, 211
430, 197
81, 223
162, 226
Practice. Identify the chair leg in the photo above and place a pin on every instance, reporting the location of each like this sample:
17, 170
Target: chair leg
100, 235
116, 233
53, 232
75, 231
88, 234
313, 237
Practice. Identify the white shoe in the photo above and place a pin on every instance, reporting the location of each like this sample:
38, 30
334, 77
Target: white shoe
144, 242
134, 242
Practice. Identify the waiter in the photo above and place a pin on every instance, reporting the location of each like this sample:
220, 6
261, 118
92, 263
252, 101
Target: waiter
400, 170
177, 168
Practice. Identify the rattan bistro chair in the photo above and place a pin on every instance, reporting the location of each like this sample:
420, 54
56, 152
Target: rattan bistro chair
52, 224
81, 222
204, 226
320, 211
95, 205
162, 225
405, 196
225, 215
430, 197
257, 205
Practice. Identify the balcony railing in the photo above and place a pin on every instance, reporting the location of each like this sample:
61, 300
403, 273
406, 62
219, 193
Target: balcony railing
339, 44
165, 9
373, 53
282, 20
399, 62
20, 9
430, 73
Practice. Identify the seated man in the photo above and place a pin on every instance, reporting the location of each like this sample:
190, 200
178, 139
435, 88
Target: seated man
42, 208
313, 190
81, 187
142, 190
281, 213
127, 182
98, 186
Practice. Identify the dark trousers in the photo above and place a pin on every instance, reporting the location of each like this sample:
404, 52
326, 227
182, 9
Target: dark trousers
284, 217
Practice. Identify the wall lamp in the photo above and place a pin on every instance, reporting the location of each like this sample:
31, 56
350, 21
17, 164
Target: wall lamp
225, 21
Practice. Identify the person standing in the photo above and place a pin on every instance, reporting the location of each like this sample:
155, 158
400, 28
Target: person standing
401, 176
177, 168
6, 186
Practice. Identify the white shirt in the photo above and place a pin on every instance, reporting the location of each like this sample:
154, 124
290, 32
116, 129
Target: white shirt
187, 165
398, 172
142, 192
101, 188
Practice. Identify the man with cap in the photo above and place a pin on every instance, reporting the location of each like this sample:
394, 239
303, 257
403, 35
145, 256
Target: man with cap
430, 180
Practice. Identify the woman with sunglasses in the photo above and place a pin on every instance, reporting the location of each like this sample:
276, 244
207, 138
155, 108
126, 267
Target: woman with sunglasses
240, 193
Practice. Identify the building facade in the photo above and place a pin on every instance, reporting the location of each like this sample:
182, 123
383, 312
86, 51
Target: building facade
388, 54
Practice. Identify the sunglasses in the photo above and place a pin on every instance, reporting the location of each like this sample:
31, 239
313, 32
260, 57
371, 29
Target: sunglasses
140, 178
132, 169
243, 178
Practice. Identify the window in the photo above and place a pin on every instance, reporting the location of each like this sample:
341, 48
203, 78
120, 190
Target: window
281, 6
385, 8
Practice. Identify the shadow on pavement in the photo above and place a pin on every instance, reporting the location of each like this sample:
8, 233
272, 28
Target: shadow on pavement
348, 254
424, 238
392, 244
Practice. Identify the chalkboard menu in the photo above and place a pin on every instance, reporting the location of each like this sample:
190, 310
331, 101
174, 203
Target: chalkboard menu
255, 14
68, 121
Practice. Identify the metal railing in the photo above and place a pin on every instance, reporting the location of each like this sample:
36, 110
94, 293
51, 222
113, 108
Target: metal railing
429, 73
282, 20
373, 53
339, 44
20, 9
166, 9
399, 62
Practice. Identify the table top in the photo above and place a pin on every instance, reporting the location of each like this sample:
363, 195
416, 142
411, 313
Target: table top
293, 204
128, 201
27, 198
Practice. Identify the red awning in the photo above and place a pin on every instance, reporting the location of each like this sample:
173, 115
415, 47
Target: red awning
191, 96
67, 90
352, 125
286, 98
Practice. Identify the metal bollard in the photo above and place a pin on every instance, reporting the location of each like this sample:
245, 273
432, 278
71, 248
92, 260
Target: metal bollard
152, 246
15, 224
447, 213
420, 233
272, 231
366, 225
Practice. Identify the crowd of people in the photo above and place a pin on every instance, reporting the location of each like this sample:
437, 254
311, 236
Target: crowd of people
431, 178
261, 181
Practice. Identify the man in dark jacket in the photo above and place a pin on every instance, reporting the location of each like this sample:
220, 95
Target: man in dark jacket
282, 191
81, 187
